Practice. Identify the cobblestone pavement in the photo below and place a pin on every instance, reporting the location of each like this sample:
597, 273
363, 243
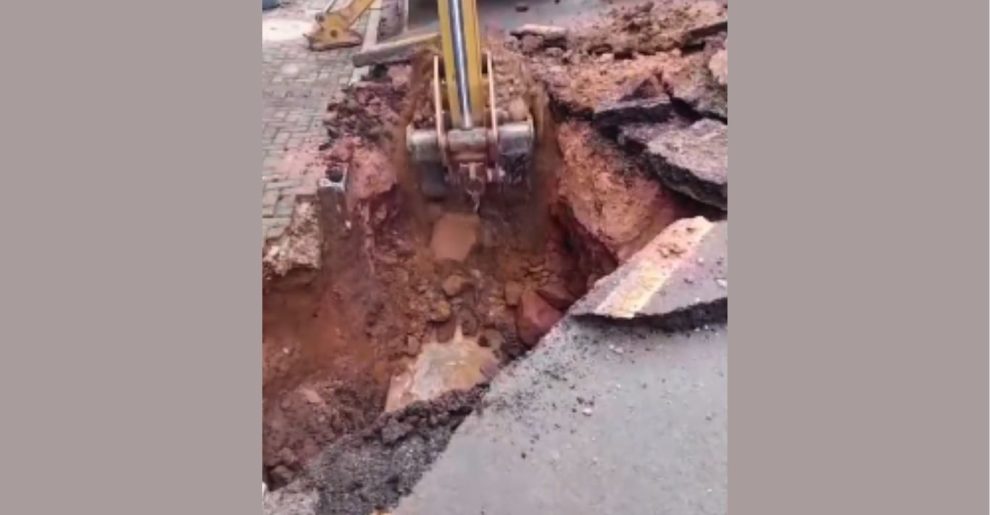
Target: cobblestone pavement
296, 84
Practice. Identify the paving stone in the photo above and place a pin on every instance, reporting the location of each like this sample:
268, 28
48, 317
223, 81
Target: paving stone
296, 85
285, 205
269, 197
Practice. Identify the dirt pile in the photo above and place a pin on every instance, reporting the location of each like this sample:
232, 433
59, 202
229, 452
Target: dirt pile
655, 80
638, 48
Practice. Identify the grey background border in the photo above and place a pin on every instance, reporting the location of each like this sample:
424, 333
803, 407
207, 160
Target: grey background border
131, 373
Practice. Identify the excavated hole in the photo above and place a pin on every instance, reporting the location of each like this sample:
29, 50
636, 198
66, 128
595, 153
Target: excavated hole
415, 298
393, 288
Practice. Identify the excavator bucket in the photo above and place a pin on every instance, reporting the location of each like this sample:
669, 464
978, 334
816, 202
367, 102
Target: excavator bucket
473, 139
333, 27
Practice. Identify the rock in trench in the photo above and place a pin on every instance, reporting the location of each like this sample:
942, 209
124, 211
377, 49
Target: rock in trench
455, 285
534, 317
557, 295
513, 291
690, 81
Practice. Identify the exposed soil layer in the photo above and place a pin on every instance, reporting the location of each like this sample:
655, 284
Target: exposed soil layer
609, 195
335, 338
371, 272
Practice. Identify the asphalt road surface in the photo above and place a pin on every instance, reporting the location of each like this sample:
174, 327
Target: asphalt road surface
600, 419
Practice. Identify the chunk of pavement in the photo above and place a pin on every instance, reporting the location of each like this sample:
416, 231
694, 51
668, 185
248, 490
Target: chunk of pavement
549, 33
689, 80
360, 473
707, 18
440, 368
394, 431
298, 248
718, 65
577, 89
611, 114
694, 161
557, 295
455, 285
513, 291
635, 136
535, 317
677, 280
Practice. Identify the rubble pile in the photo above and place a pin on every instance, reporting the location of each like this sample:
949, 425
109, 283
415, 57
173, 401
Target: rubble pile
654, 81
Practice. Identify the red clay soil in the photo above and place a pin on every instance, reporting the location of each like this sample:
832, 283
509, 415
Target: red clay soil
332, 344
610, 196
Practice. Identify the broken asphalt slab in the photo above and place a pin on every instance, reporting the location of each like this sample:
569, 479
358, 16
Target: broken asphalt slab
612, 114
598, 419
678, 281
597, 404
600, 404
692, 160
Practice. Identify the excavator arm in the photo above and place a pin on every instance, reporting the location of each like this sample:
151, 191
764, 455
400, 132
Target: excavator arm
471, 136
